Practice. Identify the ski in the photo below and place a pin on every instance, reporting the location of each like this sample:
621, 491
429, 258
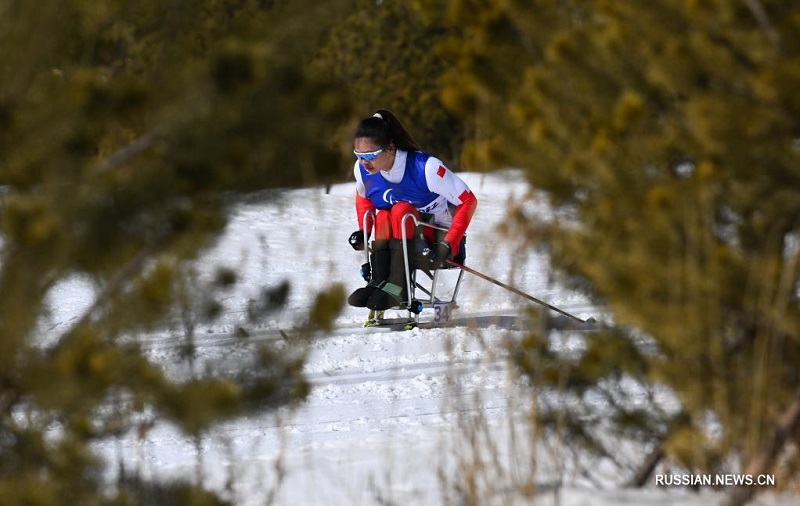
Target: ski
390, 323
374, 318
508, 322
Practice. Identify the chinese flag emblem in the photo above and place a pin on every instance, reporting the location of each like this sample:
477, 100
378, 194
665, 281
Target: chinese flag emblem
441, 172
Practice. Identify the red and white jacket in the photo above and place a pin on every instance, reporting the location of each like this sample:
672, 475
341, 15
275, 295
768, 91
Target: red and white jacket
423, 181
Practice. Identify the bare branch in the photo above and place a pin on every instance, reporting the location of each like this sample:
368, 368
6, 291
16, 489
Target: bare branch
763, 20
763, 460
647, 467
123, 155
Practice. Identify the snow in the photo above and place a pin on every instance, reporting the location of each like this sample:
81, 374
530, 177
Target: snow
424, 417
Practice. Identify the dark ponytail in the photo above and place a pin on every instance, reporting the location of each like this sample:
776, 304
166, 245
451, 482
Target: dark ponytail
382, 128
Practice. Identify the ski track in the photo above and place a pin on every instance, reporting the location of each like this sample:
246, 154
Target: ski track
373, 394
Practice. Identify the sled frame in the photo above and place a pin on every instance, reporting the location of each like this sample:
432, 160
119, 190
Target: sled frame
422, 295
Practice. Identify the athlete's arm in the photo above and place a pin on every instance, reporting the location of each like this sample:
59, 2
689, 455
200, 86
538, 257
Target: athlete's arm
363, 204
443, 181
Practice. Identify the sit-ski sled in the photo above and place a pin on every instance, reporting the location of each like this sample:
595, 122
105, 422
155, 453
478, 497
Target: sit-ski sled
427, 289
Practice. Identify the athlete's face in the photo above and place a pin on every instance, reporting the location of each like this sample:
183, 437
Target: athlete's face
383, 161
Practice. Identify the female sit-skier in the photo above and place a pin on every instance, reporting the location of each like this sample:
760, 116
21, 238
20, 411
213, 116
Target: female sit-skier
393, 178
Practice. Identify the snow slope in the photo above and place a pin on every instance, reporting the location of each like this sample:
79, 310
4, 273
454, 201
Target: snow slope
422, 417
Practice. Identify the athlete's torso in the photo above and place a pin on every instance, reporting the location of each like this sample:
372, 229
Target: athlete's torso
411, 188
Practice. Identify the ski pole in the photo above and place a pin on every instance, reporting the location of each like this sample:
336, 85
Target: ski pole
518, 292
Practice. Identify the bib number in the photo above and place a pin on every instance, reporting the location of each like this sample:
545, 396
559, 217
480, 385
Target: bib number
441, 313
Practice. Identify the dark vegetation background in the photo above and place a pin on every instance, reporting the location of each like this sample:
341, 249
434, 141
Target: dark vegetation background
665, 133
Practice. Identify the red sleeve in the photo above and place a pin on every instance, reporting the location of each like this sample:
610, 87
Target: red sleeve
363, 206
461, 219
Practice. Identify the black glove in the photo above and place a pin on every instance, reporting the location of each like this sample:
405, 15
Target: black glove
366, 272
439, 254
357, 240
